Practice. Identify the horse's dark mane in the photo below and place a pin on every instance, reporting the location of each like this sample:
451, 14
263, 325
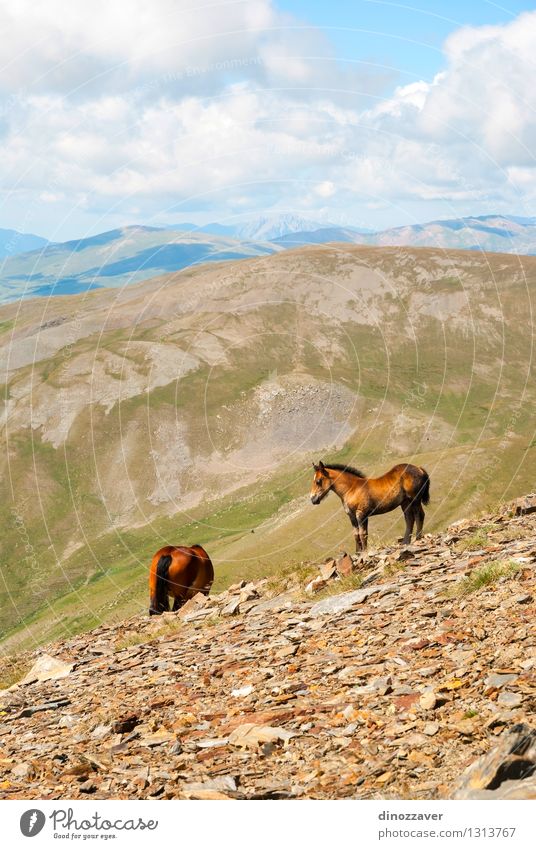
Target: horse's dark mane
341, 467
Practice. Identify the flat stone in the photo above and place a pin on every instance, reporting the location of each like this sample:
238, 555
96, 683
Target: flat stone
498, 680
510, 700
342, 602
47, 668
279, 602
212, 742
232, 608
193, 606
249, 736
240, 692
328, 570
428, 700
21, 770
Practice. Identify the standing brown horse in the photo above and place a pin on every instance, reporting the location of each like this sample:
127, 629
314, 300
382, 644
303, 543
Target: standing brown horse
180, 572
404, 486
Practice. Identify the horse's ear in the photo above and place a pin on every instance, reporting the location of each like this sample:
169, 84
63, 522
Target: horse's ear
321, 466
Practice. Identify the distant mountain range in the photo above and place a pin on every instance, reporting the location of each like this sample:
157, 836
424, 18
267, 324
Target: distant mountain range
12, 242
31, 266
116, 258
489, 233
265, 228
497, 233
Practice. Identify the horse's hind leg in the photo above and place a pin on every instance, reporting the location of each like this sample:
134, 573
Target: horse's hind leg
363, 528
409, 516
420, 521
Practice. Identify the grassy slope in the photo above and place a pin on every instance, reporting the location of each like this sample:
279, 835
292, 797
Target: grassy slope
55, 498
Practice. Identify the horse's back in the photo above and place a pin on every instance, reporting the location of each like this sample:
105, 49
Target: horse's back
191, 571
401, 468
167, 549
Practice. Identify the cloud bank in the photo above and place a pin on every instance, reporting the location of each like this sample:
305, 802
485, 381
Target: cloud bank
143, 110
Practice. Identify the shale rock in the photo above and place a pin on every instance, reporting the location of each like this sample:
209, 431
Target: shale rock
387, 691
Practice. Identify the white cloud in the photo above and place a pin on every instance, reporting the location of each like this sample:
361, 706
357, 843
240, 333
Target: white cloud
325, 189
62, 44
175, 110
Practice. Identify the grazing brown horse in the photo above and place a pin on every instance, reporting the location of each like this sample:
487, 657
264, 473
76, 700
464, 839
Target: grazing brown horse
404, 486
180, 572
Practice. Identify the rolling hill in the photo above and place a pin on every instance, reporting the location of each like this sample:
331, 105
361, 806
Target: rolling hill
115, 258
133, 254
188, 408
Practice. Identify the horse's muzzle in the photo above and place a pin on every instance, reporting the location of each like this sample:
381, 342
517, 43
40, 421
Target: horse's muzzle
315, 499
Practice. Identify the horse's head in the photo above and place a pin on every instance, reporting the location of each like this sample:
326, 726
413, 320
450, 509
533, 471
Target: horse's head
321, 483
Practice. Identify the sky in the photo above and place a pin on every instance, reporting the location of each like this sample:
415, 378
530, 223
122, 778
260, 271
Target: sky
366, 113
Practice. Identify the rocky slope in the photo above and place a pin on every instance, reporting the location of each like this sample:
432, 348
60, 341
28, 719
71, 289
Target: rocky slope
386, 685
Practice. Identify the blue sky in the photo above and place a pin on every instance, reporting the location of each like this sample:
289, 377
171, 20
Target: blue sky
368, 113
406, 36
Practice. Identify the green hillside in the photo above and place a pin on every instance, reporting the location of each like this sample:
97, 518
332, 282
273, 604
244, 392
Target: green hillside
188, 409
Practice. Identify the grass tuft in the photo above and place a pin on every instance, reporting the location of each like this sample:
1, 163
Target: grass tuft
479, 539
485, 575
293, 576
394, 567
169, 626
343, 585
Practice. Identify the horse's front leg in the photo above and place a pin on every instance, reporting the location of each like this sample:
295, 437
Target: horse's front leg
177, 604
360, 526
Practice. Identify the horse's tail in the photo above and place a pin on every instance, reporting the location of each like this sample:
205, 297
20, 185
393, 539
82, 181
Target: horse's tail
425, 487
162, 581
